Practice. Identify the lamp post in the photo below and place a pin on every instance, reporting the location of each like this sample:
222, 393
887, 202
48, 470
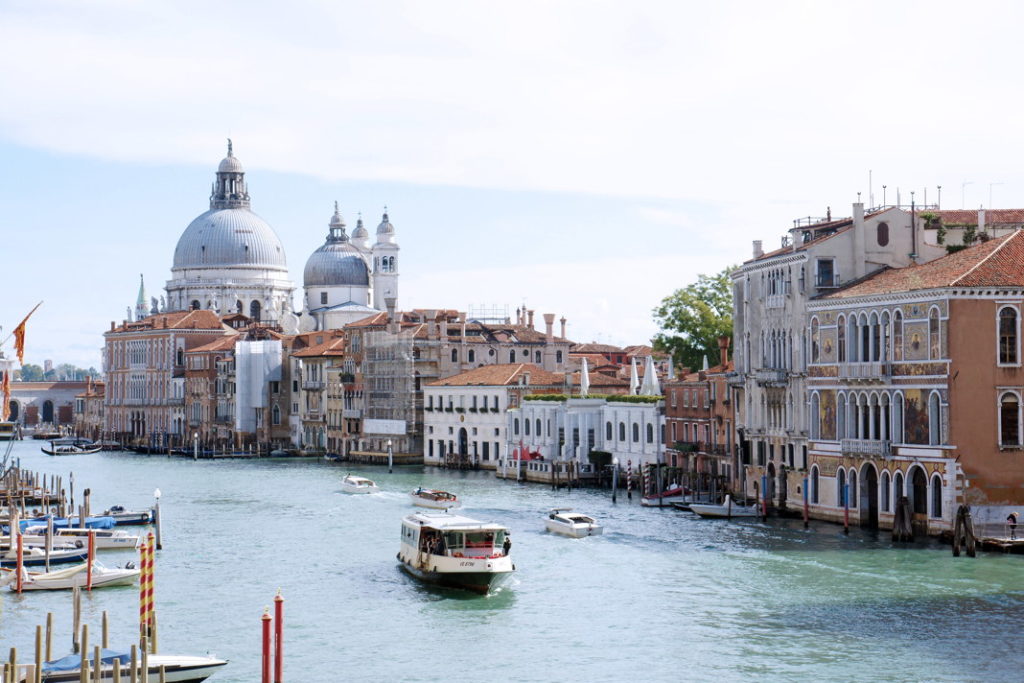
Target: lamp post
390, 457
615, 478
195, 445
156, 520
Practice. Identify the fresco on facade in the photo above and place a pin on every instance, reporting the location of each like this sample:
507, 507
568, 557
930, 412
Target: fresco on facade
915, 415
915, 345
827, 414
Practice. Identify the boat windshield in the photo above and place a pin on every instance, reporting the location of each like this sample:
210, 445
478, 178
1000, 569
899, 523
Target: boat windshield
474, 543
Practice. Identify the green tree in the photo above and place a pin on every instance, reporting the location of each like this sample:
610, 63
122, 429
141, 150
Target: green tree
692, 319
30, 373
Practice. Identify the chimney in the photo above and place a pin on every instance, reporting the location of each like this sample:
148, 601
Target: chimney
444, 326
389, 302
431, 324
526, 378
723, 349
981, 220
549, 325
563, 326
758, 251
529, 322
519, 316
112, 325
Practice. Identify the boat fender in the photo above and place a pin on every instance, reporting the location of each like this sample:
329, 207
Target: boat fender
79, 543
129, 565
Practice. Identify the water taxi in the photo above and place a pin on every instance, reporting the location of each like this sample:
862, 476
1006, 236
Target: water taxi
353, 484
727, 509
455, 551
437, 500
106, 539
176, 668
568, 523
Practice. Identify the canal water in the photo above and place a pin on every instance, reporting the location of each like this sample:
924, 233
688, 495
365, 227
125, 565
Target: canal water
661, 596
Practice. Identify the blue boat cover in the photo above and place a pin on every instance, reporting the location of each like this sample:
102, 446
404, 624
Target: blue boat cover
73, 662
65, 522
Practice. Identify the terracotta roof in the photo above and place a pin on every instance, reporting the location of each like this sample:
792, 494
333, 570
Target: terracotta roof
594, 347
222, 344
970, 216
176, 320
500, 375
996, 263
332, 346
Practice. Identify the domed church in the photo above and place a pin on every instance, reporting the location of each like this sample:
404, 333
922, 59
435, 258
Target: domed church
229, 259
346, 280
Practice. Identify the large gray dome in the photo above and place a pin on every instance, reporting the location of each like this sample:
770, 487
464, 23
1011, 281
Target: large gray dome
229, 237
336, 263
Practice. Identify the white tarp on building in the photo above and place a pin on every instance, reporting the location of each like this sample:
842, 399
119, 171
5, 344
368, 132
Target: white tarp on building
256, 364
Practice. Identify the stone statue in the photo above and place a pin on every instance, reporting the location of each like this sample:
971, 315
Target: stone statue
163, 304
155, 306
128, 314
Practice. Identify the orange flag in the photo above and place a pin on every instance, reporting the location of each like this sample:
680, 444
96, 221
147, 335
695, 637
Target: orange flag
19, 336
5, 409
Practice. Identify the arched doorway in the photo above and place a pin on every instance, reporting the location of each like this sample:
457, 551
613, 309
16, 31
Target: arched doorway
869, 496
463, 442
48, 411
254, 310
15, 411
782, 487
770, 493
919, 492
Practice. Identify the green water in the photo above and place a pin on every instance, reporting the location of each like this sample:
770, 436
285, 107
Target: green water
661, 596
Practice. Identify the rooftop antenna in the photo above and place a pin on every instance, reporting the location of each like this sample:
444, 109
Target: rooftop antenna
938, 205
963, 193
883, 194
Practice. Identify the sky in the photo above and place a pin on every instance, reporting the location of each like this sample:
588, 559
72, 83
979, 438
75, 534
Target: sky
583, 158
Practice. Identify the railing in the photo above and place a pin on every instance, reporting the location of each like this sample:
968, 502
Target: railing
312, 385
872, 370
314, 416
353, 413
826, 281
775, 301
176, 401
770, 376
866, 447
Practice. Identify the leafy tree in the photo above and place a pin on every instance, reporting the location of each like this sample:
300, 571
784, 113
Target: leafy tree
30, 373
694, 317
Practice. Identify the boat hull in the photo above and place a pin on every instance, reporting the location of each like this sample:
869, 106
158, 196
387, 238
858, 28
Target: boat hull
476, 582
348, 488
433, 504
111, 577
177, 670
723, 511
575, 531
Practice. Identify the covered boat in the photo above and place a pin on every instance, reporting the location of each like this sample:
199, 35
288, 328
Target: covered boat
568, 523
431, 498
353, 484
177, 668
727, 509
36, 557
67, 522
78, 577
455, 551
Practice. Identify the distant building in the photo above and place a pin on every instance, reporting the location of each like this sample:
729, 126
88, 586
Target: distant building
89, 411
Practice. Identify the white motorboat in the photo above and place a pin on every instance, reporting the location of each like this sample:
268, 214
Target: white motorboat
177, 668
78, 576
353, 484
568, 523
124, 517
34, 556
437, 500
455, 551
106, 539
727, 509
666, 498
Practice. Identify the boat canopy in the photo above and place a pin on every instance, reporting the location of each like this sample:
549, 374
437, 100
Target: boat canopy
66, 522
73, 662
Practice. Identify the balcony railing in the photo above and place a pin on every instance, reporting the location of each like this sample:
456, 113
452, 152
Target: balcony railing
875, 370
352, 413
775, 301
826, 280
312, 385
770, 377
866, 447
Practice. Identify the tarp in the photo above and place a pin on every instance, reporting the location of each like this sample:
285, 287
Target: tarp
256, 364
73, 662
65, 522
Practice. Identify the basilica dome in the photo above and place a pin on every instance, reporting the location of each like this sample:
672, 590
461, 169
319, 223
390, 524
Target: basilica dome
337, 262
222, 238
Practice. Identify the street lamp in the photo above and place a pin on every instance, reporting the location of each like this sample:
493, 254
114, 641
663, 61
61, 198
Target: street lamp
156, 520
195, 445
390, 457
615, 478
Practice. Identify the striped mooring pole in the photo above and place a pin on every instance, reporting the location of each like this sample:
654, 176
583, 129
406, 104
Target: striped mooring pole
147, 610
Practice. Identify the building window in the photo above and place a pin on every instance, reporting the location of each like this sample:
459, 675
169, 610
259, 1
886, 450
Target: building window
471, 357
1009, 334
636, 432
884, 490
826, 273
195, 304
841, 488
622, 431
933, 334
512, 356
515, 426
608, 431
897, 335
841, 339
558, 356
323, 297
934, 420
455, 355
882, 234
897, 488
536, 357
937, 496
538, 430
526, 426
1009, 419
276, 416
853, 488
650, 433
814, 340
814, 485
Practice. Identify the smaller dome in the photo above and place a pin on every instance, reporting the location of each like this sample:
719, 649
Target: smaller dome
385, 227
360, 233
230, 164
337, 262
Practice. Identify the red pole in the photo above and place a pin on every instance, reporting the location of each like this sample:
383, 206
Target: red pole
89, 558
266, 646
21, 558
278, 638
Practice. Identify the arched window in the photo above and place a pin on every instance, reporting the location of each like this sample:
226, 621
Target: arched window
934, 344
814, 340
897, 419
455, 355
876, 338
841, 488
515, 426
512, 356
622, 431
884, 490
180, 357
815, 416
276, 415
608, 431
536, 357
936, 496
886, 337
526, 426
538, 431
238, 307
471, 356
195, 304
814, 485
841, 417
897, 487
841, 339
1009, 419
650, 433
882, 234
897, 335
1009, 334
636, 432
853, 488
558, 356
254, 310
934, 420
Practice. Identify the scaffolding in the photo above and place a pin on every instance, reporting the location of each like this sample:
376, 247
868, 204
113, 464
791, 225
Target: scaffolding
389, 386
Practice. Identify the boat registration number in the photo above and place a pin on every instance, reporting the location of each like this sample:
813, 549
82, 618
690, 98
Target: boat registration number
467, 564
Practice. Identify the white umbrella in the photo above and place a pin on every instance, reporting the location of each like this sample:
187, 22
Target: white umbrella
584, 378
634, 381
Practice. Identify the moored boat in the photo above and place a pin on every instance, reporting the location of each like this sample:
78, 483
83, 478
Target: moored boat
568, 523
353, 484
437, 500
678, 494
8, 431
70, 449
106, 539
78, 577
455, 551
124, 517
177, 668
34, 556
726, 509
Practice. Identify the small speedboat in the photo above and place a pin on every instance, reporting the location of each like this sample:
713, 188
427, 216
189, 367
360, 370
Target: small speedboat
124, 517
727, 509
177, 668
438, 500
568, 523
353, 484
106, 539
78, 577
454, 551
34, 556
677, 494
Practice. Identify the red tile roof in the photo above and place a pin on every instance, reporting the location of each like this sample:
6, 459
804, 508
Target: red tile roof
996, 263
970, 216
176, 320
222, 344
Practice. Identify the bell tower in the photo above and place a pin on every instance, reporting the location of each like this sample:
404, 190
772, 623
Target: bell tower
385, 264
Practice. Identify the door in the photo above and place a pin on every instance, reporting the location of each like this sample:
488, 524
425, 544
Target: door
869, 497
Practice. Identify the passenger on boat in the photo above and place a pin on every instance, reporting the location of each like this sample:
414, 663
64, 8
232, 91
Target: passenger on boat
507, 545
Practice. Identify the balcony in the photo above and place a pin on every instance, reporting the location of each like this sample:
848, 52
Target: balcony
352, 413
176, 401
312, 385
224, 419
314, 416
876, 371
826, 280
866, 448
766, 377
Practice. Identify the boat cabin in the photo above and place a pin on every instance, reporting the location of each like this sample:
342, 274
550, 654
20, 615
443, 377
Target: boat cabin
453, 535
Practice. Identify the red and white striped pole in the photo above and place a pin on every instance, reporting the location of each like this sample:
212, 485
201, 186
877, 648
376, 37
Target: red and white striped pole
89, 557
278, 638
266, 646
629, 480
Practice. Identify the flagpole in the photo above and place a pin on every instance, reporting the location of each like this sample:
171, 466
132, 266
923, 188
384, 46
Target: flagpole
25, 320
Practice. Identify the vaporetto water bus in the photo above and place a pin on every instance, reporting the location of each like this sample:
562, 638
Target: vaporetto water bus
455, 551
